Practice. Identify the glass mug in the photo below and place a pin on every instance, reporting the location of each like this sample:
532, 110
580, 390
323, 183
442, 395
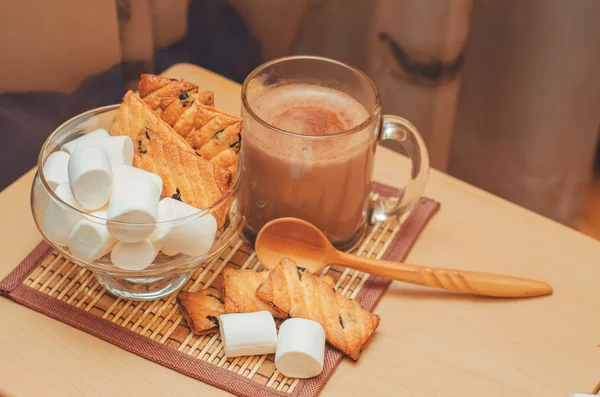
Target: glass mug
322, 171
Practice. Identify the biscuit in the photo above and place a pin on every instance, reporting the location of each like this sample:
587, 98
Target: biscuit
134, 115
180, 112
186, 176
216, 136
154, 88
327, 279
201, 309
296, 291
240, 291
240, 286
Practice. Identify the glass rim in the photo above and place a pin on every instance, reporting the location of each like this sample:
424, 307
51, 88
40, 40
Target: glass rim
373, 114
86, 215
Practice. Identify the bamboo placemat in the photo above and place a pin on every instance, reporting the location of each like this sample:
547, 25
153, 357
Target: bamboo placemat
45, 281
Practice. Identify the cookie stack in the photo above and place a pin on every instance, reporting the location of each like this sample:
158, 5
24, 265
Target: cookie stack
179, 135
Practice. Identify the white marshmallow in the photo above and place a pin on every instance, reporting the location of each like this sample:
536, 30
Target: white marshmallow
135, 202
69, 147
192, 237
55, 169
300, 349
126, 174
60, 219
133, 256
90, 176
90, 238
245, 334
118, 148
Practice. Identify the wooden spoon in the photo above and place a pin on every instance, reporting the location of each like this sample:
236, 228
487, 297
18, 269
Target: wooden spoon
304, 243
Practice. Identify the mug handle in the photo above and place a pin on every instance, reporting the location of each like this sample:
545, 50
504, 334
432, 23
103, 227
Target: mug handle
401, 130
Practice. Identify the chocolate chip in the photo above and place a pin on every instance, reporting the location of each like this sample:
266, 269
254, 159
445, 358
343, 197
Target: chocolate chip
300, 270
213, 320
184, 96
139, 149
177, 194
147, 136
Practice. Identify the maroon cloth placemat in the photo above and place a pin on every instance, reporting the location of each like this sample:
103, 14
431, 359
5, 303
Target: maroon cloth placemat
13, 288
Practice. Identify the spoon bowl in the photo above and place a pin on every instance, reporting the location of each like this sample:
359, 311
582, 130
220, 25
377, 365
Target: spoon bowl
306, 245
301, 241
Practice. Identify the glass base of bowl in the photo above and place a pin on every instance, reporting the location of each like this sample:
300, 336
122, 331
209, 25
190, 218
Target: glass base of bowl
146, 288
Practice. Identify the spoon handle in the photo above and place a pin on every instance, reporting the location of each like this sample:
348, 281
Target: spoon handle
470, 282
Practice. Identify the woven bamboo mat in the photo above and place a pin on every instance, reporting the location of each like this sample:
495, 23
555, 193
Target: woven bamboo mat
49, 283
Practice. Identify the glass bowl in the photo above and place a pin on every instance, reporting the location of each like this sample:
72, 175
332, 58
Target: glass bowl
167, 273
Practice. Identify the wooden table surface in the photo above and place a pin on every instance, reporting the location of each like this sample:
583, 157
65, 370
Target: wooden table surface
429, 343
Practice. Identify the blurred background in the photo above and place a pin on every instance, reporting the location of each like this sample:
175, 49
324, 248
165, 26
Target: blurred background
505, 92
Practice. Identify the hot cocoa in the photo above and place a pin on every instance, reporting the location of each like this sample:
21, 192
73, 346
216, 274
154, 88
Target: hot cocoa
317, 173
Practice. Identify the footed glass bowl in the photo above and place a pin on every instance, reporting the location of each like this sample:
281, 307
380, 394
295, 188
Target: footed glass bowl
166, 273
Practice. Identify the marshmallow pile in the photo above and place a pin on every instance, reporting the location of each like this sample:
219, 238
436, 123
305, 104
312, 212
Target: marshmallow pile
299, 349
122, 212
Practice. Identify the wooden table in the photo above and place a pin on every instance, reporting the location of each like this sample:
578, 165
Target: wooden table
429, 343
